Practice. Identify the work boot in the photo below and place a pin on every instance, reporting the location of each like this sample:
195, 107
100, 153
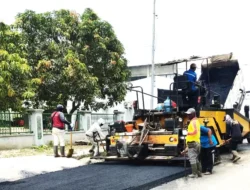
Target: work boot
199, 168
194, 171
62, 151
92, 149
236, 155
232, 158
56, 151
96, 154
208, 173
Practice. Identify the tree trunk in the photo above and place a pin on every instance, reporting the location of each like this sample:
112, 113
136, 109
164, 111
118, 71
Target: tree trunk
75, 106
65, 106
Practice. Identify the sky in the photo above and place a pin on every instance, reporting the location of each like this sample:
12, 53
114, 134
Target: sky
183, 28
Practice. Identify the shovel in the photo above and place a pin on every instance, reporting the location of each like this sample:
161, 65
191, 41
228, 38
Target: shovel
71, 150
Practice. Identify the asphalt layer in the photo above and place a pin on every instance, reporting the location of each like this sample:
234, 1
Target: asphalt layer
110, 176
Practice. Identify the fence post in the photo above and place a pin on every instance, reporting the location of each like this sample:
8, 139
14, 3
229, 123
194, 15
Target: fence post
84, 120
36, 125
9, 122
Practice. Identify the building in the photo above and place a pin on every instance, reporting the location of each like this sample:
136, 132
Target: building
161, 69
144, 71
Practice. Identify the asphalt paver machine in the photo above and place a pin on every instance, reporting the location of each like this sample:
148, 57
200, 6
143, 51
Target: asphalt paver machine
160, 135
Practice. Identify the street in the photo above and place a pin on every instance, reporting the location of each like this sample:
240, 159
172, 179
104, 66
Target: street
112, 176
77, 174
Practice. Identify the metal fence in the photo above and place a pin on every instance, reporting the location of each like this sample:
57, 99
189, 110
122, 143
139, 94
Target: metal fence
108, 118
14, 123
72, 118
18, 123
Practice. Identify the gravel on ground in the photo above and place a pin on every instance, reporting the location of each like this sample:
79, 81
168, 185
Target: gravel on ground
23, 163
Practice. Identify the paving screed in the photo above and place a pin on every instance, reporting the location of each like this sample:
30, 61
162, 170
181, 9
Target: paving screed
106, 175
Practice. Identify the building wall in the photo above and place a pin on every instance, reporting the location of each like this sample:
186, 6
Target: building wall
16, 141
25, 141
141, 71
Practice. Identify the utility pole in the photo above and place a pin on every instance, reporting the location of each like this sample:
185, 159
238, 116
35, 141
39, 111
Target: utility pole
153, 60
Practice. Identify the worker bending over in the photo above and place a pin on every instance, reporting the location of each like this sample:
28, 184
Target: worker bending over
94, 131
58, 131
193, 143
208, 145
234, 130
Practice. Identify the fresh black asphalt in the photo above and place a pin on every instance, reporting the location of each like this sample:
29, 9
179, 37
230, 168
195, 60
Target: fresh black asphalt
110, 176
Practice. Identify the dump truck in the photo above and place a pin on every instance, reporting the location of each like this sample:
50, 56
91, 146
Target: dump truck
160, 135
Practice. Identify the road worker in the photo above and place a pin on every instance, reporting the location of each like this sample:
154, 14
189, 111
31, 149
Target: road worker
208, 145
58, 130
93, 132
192, 77
234, 131
193, 143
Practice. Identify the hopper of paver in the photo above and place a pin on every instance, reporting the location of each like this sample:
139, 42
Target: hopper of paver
223, 79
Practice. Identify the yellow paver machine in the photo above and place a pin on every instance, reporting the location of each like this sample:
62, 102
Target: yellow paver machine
160, 134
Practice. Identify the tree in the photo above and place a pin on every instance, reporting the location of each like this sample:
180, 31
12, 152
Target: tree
103, 51
16, 83
77, 57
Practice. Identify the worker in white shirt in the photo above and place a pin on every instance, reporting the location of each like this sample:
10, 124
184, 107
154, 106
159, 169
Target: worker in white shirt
95, 130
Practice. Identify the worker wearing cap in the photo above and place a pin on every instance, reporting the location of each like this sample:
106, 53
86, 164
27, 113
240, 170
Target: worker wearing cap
93, 131
192, 77
58, 130
193, 143
234, 130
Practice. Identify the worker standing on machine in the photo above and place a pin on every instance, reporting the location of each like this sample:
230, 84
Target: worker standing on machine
94, 131
193, 143
234, 130
192, 77
208, 145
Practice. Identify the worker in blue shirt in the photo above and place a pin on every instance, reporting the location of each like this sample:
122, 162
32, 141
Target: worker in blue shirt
208, 145
192, 77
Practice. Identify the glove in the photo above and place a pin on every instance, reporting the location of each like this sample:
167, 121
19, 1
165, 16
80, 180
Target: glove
69, 128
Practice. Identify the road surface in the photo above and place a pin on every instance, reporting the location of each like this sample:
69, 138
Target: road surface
110, 176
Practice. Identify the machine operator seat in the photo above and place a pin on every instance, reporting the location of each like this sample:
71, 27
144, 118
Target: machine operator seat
181, 83
183, 87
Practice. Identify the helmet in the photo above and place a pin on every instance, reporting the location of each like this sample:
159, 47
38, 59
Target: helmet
101, 121
59, 107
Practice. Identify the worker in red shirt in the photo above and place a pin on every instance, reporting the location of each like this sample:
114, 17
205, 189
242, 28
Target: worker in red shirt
58, 131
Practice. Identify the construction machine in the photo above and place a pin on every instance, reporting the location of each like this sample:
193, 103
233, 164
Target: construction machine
160, 134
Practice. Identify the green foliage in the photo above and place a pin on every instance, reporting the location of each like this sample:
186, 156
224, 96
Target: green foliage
69, 56
15, 73
41, 148
50, 144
